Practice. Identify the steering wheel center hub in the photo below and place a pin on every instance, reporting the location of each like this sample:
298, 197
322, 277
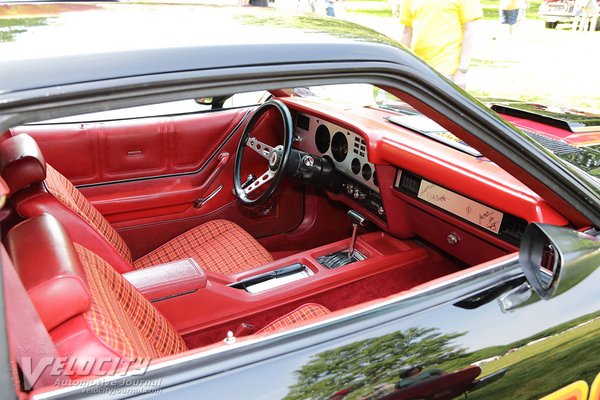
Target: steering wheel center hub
275, 158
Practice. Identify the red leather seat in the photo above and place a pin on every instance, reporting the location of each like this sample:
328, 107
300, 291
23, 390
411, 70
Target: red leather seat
89, 309
219, 246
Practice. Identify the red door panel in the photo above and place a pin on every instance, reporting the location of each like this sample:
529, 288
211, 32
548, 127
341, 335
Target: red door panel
70, 148
131, 150
96, 152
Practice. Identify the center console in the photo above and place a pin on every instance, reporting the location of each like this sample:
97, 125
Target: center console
200, 305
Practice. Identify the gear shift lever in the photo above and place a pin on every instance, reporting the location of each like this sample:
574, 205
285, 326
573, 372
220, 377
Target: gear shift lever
357, 220
345, 257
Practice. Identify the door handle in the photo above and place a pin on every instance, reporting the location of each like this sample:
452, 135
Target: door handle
202, 201
223, 158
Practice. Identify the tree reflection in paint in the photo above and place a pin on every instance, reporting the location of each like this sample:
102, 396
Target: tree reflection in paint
368, 363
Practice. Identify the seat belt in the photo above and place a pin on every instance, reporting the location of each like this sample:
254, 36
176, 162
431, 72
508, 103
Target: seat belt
29, 342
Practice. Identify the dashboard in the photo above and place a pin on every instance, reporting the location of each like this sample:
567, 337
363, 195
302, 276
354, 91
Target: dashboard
412, 185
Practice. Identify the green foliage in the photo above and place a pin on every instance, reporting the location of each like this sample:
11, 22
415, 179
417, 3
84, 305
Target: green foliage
546, 366
382, 8
490, 9
533, 370
10, 27
363, 365
376, 12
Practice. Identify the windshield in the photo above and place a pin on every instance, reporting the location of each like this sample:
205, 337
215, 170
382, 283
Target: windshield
584, 156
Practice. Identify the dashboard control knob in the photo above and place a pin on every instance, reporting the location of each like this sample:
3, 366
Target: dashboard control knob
358, 194
349, 188
308, 160
453, 239
380, 210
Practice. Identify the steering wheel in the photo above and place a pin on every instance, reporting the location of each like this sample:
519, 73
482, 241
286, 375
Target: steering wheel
277, 156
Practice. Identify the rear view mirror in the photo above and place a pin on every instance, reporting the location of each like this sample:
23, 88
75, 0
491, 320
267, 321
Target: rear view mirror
205, 101
555, 259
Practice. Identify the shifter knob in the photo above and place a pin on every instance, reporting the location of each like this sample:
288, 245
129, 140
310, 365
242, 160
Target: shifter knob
357, 218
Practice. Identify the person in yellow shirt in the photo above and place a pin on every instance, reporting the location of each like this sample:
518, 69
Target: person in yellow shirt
442, 33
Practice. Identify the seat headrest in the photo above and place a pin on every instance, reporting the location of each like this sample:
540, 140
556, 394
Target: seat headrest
21, 162
49, 267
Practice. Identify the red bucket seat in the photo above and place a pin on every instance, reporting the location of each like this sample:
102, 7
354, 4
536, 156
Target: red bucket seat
89, 309
219, 246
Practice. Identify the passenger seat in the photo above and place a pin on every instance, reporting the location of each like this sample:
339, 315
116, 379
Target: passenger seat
89, 309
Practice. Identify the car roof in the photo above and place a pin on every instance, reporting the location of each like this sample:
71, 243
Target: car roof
61, 44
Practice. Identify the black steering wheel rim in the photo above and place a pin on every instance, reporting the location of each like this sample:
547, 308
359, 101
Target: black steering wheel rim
282, 155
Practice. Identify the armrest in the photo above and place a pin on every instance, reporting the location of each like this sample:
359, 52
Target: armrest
168, 280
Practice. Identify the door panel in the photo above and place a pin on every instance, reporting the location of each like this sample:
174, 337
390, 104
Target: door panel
105, 151
132, 151
147, 176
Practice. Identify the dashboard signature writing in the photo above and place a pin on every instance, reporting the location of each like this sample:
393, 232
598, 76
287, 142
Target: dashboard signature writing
433, 197
489, 219
466, 208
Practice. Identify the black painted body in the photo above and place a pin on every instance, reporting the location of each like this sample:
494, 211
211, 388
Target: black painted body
449, 327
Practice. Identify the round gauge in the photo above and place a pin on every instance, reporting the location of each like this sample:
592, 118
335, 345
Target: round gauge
375, 181
355, 166
339, 146
366, 172
322, 139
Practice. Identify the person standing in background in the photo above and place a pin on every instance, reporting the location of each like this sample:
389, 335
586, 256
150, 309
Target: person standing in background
586, 15
523, 5
442, 33
329, 8
509, 14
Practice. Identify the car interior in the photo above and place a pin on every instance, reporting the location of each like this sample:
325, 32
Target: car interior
152, 231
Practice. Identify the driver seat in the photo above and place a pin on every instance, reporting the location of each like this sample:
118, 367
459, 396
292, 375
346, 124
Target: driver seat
219, 246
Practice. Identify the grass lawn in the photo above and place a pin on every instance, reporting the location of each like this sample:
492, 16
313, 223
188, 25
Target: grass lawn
534, 64
546, 366
383, 8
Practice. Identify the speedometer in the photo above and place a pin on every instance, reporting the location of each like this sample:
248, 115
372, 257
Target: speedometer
322, 139
339, 146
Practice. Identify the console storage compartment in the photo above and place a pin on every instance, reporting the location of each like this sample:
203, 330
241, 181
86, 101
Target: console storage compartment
169, 280
273, 279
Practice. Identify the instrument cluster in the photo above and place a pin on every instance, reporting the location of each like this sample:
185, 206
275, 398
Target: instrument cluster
346, 149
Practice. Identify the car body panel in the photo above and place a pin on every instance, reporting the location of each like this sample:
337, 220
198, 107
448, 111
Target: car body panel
449, 322
390, 338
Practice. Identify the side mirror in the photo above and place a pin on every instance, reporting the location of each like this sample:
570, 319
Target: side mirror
555, 259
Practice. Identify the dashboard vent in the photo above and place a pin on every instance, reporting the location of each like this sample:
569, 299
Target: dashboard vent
410, 182
512, 228
303, 122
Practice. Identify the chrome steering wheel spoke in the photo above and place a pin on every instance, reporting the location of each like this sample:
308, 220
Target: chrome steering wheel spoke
261, 180
261, 148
